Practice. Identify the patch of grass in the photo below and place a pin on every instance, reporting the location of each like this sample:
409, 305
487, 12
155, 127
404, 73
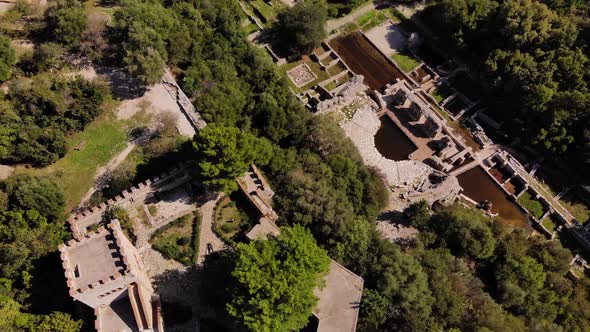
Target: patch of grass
576, 206
393, 14
234, 216
227, 218
549, 223
348, 28
268, 13
325, 61
334, 84
532, 205
406, 62
153, 210
463, 212
250, 28
397, 14
179, 240
104, 137
142, 214
371, 19
336, 69
366, 18
443, 113
437, 96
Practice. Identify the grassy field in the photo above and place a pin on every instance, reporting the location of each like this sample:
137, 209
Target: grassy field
104, 138
370, 19
264, 11
406, 62
437, 96
532, 205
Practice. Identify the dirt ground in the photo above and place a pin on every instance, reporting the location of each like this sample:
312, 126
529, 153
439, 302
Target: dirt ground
5, 171
366, 60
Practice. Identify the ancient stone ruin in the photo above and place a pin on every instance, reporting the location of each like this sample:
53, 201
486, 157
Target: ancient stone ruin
104, 271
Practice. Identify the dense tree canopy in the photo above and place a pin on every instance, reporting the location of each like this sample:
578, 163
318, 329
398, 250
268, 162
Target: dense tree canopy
534, 64
303, 27
67, 21
37, 114
7, 58
226, 153
275, 281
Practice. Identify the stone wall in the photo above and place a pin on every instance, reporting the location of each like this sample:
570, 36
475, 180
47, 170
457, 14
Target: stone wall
80, 221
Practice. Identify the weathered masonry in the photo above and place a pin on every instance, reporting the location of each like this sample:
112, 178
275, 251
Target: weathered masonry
104, 271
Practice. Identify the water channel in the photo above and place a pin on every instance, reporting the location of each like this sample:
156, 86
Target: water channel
479, 186
391, 142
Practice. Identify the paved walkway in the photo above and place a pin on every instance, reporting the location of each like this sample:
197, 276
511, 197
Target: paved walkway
206, 234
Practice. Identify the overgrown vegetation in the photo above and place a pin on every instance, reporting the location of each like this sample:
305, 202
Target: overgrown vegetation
179, 240
534, 206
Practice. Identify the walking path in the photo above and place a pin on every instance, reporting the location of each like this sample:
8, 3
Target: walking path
206, 234
113, 164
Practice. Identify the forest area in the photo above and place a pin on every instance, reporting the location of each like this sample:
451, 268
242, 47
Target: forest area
532, 57
463, 272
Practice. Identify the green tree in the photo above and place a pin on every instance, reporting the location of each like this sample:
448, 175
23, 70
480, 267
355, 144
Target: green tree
225, 153
48, 56
418, 213
303, 26
375, 310
400, 277
7, 58
276, 279
35, 193
68, 21
57, 321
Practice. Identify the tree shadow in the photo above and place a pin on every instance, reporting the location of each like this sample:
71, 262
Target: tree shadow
123, 85
179, 296
393, 217
49, 292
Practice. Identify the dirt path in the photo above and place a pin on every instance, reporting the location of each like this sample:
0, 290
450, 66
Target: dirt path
113, 163
206, 234
156, 100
